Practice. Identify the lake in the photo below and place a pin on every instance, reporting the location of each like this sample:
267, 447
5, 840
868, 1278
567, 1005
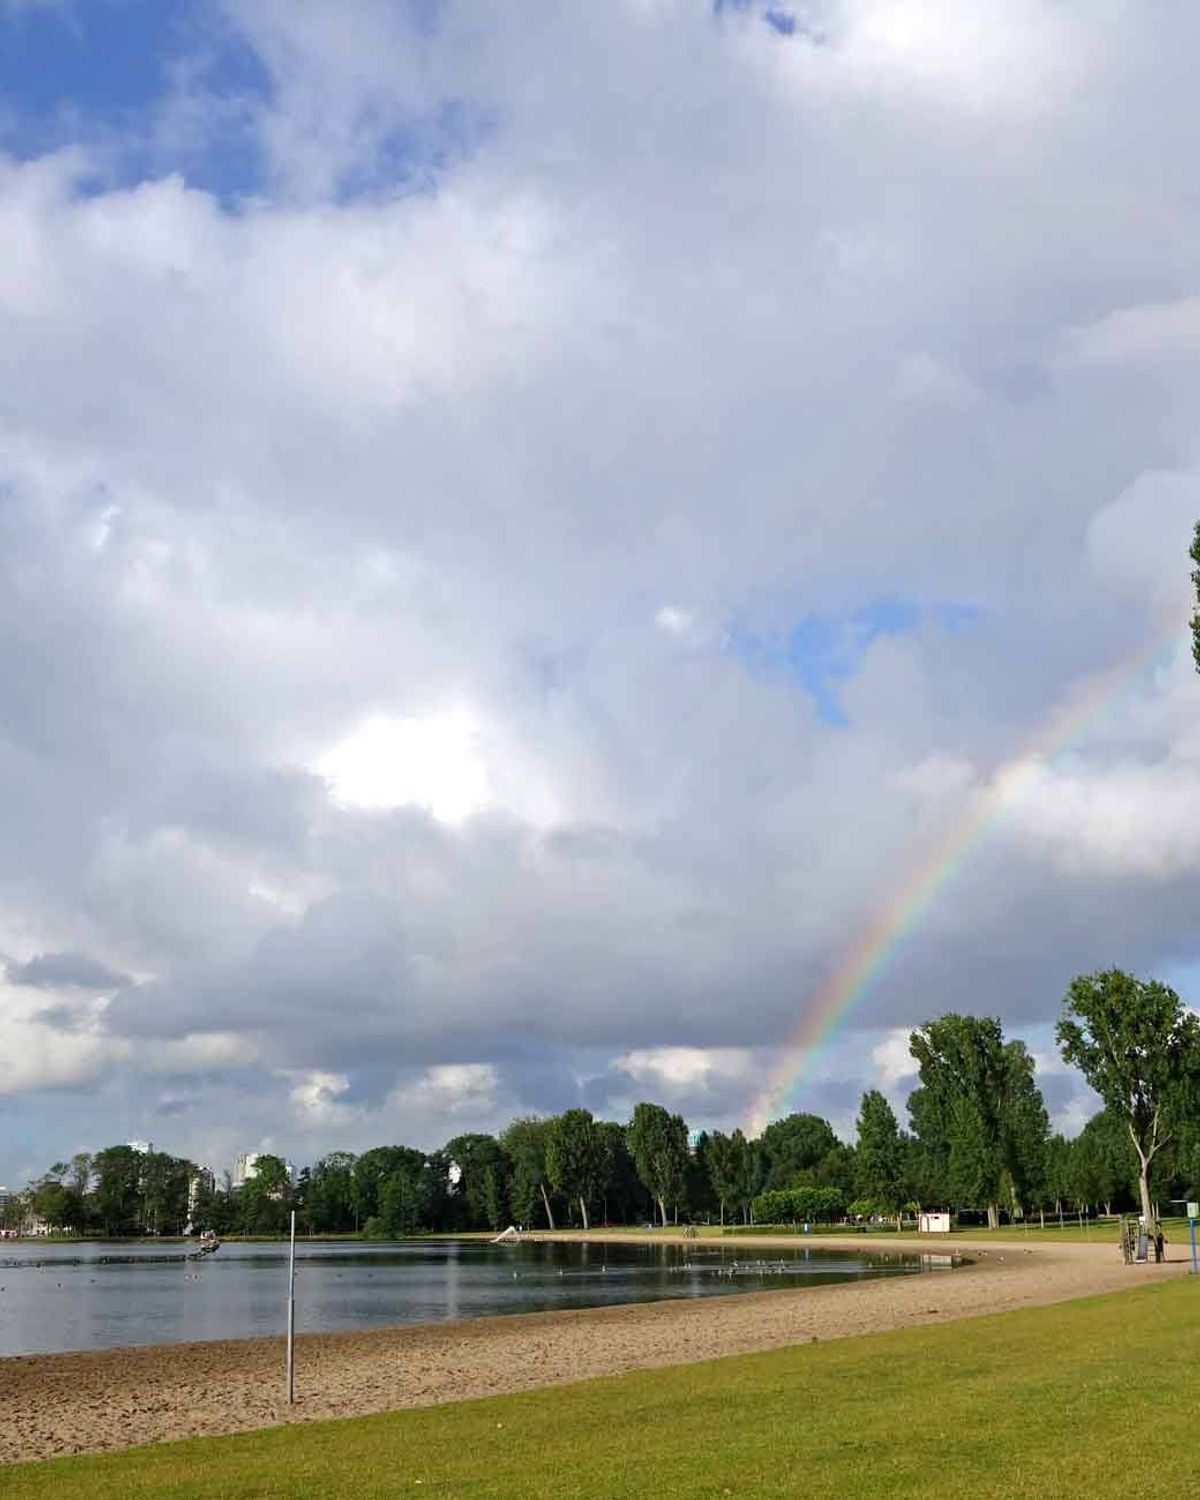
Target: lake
93, 1295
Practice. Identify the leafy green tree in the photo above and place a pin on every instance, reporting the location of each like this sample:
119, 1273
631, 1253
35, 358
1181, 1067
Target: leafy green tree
163, 1183
977, 1112
407, 1201
751, 1174
575, 1158
54, 1202
835, 1169
794, 1147
879, 1154
373, 1168
723, 1160
697, 1190
524, 1143
1103, 1167
118, 1194
658, 1143
1139, 1049
328, 1194
1025, 1127
265, 1200
621, 1192
480, 1195
797, 1205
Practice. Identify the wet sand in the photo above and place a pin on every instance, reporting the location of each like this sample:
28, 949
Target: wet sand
87, 1402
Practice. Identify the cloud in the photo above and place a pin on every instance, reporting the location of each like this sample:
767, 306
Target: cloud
383, 521
50, 971
893, 1060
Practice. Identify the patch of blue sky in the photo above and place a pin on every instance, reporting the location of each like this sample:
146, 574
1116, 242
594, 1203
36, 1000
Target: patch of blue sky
413, 157
782, 20
821, 653
98, 73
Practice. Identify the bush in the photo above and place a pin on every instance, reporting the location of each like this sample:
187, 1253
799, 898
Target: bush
818, 1205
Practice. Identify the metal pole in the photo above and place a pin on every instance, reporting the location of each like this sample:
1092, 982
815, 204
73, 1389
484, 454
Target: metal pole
1192, 1227
291, 1317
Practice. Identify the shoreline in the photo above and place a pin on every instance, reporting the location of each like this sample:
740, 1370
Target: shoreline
101, 1400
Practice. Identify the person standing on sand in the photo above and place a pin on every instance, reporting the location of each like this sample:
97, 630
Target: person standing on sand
1160, 1240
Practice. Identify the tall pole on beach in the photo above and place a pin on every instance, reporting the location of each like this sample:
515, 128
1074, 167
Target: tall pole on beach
291, 1316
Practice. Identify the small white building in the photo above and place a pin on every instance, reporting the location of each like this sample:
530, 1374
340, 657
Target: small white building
934, 1223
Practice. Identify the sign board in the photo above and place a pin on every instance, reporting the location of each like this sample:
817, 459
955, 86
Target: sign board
935, 1223
1194, 1210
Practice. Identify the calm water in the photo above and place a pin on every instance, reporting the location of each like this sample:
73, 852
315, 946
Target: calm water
61, 1296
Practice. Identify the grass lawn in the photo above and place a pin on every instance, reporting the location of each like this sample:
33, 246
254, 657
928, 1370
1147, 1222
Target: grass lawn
1086, 1398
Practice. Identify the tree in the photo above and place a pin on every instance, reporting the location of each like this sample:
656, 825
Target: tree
481, 1192
1025, 1128
117, 1195
1140, 1050
724, 1166
879, 1156
264, 1200
54, 1202
373, 1169
793, 1148
620, 1187
978, 1113
328, 1194
658, 1143
1195, 556
1102, 1166
163, 1183
524, 1143
574, 1152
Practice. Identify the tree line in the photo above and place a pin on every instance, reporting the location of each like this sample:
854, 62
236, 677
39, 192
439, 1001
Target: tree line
978, 1137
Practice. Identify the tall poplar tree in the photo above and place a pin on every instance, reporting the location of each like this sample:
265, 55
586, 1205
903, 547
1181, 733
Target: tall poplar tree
978, 1114
658, 1143
1139, 1049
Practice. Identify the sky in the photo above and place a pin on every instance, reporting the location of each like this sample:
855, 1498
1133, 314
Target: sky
521, 527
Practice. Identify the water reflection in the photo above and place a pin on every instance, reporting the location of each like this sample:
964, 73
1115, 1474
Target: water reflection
65, 1297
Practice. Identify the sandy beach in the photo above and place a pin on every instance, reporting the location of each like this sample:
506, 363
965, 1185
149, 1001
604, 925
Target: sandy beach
87, 1402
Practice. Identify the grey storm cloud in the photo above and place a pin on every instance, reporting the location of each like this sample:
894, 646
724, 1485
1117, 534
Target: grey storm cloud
454, 641
69, 971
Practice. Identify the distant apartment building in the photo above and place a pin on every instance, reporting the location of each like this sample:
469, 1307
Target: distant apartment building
245, 1168
143, 1148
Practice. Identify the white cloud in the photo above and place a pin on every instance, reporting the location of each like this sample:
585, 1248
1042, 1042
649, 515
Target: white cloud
893, 1062
673, 619
466, 490
449, 1091
677, 1070
1136, 542
436, 763
1136, 335
316, 1099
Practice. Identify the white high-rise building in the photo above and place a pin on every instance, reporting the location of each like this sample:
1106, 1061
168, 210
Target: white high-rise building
245, 1168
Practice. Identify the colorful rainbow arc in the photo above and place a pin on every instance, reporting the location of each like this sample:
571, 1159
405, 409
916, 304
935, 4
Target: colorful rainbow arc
900, 915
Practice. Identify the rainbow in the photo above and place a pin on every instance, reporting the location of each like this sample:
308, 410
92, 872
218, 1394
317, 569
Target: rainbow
895, 921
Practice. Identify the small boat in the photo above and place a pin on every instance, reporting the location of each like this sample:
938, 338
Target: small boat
209, 1245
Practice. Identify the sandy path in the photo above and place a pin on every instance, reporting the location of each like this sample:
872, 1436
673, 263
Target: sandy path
72, 1403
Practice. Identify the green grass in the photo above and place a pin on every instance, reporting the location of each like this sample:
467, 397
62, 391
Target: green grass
1084, 1398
